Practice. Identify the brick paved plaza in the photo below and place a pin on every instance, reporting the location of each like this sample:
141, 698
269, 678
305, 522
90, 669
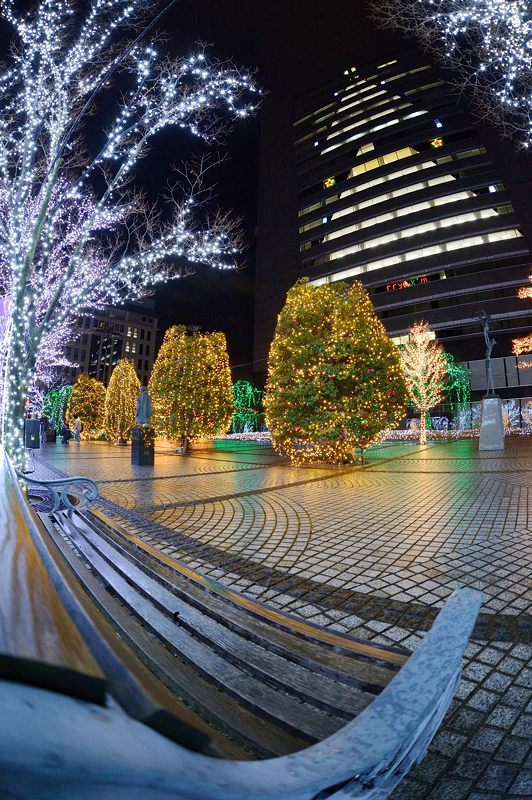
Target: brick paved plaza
372, 551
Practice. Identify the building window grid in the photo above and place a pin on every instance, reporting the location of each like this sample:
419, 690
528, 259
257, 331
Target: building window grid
368, 166
419, 207
410, 189
410, 255
456, 219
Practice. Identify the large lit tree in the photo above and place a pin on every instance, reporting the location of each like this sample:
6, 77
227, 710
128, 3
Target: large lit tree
190, 386
74, 232
425, 368
88, 403
121, 402
334, 376
486, 43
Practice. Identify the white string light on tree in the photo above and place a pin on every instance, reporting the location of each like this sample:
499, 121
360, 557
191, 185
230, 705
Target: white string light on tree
488, 46
74, 233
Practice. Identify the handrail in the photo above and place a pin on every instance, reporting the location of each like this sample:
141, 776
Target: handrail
59, 490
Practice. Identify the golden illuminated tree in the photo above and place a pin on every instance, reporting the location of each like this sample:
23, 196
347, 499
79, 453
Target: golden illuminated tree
121, 402
87, 402
334, 376
190, 386
425, 368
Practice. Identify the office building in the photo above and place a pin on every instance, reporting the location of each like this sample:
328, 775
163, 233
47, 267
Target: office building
376, 173
102, 338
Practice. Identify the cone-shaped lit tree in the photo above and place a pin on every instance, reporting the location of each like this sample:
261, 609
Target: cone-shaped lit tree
425, 369
87, 402
335, 378
190, 386
120, 402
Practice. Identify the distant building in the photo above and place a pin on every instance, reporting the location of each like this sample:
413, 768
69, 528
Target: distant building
104, 337
376, 174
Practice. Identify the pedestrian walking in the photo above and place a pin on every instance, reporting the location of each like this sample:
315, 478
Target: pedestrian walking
77, 430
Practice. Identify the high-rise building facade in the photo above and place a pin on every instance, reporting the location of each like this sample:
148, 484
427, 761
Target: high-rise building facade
102, 338
379, 175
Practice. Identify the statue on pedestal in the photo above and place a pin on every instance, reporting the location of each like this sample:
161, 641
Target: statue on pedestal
485, 322
144, 408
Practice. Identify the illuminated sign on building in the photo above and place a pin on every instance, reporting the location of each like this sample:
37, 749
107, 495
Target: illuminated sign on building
436, 142
328, 183
405, 283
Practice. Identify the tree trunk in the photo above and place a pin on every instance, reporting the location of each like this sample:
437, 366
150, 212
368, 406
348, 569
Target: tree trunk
18, 375
423, 427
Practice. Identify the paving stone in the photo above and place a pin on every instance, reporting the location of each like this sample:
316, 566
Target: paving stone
470, 763
451, 789
517, 696
487, 739
483, 700
522, 786
431, 768
513, 750
497, 682
498, 777
523, 726
503, 716
465, 720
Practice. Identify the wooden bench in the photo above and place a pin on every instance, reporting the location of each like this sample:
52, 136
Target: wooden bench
259, 682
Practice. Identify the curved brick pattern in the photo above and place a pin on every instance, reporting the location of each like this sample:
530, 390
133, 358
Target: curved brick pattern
372, 551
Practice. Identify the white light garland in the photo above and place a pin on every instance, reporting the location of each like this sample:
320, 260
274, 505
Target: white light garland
488, 46
68, 239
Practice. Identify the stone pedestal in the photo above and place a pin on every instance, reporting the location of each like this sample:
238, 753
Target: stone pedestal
142, 447
491, 427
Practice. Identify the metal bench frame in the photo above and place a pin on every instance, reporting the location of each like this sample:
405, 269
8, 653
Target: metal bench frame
59, 488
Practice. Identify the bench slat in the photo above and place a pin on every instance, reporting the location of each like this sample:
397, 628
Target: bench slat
39, 643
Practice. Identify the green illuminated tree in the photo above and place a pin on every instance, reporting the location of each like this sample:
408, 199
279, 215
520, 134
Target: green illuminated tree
247, 399
87, 402
190, 386
55, 405
457, 386
121, 402
334, 376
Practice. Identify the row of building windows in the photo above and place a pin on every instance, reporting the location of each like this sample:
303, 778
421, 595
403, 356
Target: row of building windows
406, 210
381, 161
132, 331
416, 208
413, 230
447, 302
375, 128
131, 347
369, 118
411, 255
349, 94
